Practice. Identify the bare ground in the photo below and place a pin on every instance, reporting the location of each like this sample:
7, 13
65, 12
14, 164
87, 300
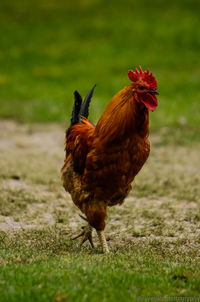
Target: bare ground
164, 205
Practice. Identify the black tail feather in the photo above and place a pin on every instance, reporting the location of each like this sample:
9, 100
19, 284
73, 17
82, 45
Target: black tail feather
85, 105
81, 108
76, 108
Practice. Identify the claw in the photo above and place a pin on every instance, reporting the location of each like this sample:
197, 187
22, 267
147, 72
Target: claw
84, 218
86, 234
90, 240
76, 237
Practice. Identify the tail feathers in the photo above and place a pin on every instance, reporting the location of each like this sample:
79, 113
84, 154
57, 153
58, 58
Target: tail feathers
76, 108
85, 105
81, 109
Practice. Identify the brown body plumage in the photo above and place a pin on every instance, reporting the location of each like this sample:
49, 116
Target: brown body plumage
101, 162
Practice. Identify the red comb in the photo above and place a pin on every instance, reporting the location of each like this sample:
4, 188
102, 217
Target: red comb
143, 76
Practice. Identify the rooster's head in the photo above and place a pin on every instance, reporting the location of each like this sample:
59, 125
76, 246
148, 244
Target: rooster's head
145, 87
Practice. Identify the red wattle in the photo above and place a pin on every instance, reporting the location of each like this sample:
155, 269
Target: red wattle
150, 101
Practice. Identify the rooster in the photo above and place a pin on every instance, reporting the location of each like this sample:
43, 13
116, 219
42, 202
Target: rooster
102, 161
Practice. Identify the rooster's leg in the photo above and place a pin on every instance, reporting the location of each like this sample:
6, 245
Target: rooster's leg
103, 241
86, 235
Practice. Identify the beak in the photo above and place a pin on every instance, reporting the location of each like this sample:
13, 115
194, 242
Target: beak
154, 92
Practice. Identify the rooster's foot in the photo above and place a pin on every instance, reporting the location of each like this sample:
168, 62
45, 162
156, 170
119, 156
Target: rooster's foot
86, 235
103, 242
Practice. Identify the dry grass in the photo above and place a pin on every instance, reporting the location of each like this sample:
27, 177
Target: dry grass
163, 206
154, 236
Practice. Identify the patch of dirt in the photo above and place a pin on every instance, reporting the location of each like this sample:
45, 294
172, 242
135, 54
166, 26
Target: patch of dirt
164, 204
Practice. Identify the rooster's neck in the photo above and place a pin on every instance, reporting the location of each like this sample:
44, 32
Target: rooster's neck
123, 117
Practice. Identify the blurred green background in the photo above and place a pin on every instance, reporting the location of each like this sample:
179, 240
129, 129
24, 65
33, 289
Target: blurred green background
50, 48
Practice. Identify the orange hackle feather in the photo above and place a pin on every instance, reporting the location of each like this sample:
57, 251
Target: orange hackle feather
118, 119
78, 141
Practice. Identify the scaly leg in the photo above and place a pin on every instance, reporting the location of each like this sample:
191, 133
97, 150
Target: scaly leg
103, 241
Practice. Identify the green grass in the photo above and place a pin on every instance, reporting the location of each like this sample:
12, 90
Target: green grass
52, 269
50, 48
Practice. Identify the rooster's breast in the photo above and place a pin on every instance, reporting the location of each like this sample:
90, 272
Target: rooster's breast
110, 171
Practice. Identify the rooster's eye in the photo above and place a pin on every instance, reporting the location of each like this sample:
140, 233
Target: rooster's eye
141, 87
